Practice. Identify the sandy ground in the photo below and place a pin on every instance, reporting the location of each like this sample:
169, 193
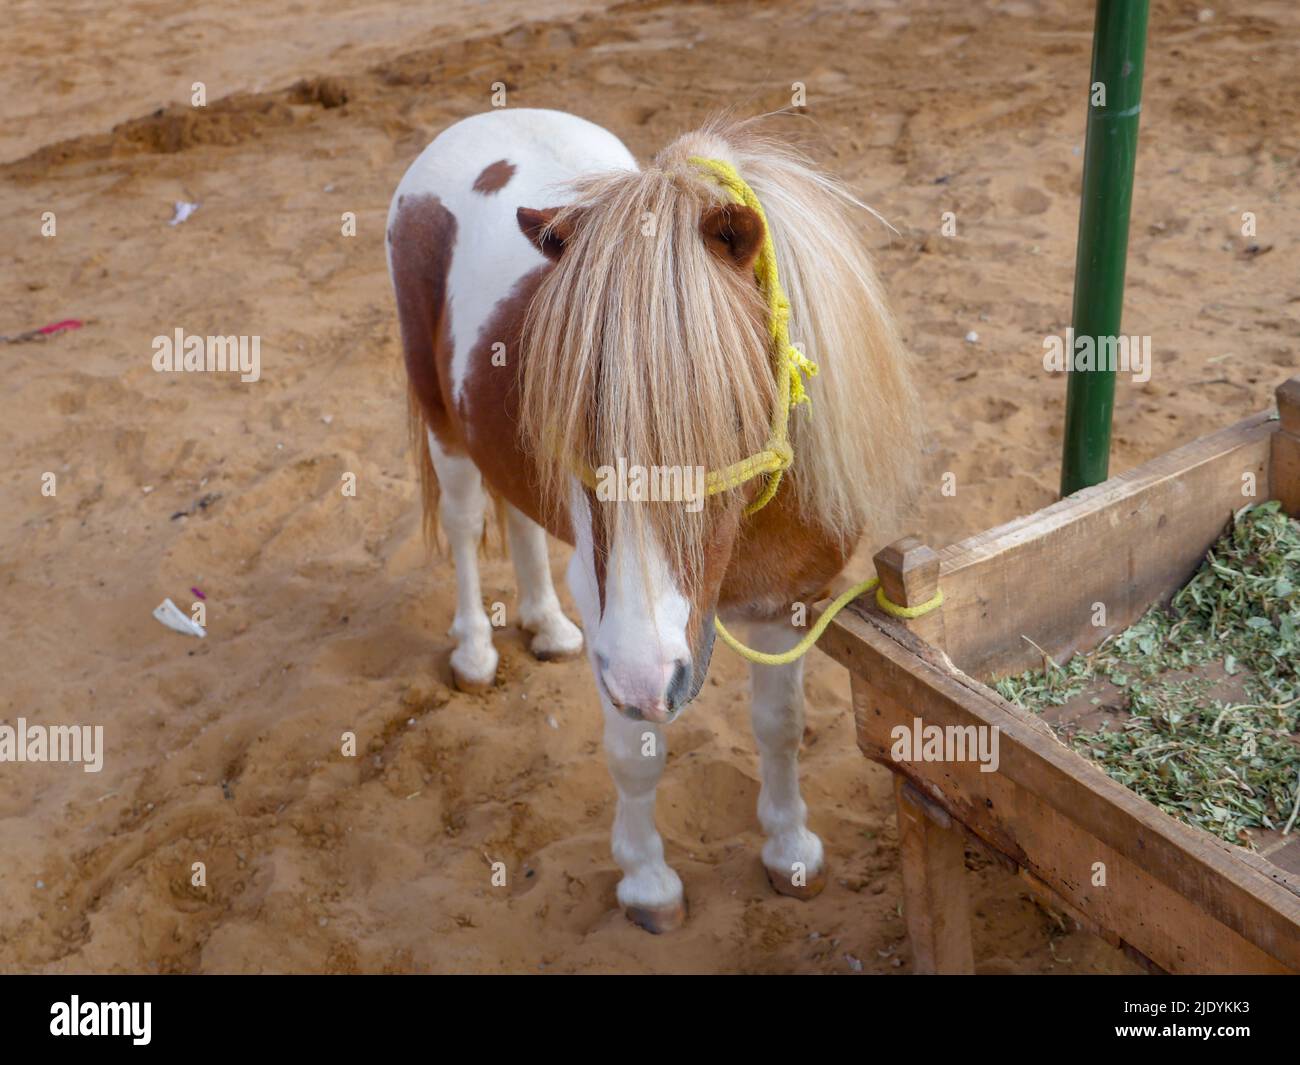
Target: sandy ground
81, 66
324, 613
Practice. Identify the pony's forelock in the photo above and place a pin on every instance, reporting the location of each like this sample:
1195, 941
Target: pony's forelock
642, 345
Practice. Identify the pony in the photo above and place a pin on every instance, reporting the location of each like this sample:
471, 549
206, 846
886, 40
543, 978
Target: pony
566, 313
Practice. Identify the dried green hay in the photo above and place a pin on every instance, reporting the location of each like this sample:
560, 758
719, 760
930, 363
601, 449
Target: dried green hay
1196, 706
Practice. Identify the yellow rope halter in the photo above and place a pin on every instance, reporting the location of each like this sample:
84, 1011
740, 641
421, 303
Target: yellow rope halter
776, 457
790, 363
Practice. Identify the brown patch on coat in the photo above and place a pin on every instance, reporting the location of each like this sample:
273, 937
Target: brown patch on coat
421, 241
779, 559
703, 588
494, 177
489, 417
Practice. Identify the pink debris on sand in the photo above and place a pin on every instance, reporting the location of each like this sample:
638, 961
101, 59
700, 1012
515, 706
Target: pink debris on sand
44, 331
59, 327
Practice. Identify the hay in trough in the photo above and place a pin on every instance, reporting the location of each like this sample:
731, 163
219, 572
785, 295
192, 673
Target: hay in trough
1196, 707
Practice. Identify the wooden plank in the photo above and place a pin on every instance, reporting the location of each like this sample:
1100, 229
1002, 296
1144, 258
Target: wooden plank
1125, 545
1053, 899
1174, 893
936, 900
1286, 447
1288, 405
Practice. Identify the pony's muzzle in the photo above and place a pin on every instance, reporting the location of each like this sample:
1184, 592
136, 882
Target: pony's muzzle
650, 691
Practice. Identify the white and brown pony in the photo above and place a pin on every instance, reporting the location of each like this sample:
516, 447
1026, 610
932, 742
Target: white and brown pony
562, 309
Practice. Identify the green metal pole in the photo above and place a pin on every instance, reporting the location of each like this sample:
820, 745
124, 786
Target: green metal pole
1110, 151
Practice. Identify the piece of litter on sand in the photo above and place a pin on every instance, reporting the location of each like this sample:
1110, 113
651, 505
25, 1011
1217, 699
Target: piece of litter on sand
183, 211
198, 504
198, 593
66, 325
972, 337
170, 615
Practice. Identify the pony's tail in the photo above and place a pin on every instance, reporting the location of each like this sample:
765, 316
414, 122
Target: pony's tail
431, 491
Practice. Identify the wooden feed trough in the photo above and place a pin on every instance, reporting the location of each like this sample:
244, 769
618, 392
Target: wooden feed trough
1174, 896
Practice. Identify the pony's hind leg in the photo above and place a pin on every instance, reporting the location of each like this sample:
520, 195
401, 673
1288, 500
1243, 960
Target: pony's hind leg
555, 637
461, 510
650, 892
792, 854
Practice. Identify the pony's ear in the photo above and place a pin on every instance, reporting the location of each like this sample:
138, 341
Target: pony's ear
548, 236
734, 233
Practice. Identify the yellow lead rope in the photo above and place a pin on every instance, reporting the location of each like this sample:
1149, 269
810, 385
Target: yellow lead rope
840, 602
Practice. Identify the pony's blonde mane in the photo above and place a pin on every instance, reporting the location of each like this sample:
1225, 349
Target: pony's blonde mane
643, 344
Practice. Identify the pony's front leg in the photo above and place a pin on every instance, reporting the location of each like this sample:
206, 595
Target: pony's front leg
650, 892
792, 854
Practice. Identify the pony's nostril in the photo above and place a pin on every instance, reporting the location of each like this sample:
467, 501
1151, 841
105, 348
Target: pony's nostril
679, 688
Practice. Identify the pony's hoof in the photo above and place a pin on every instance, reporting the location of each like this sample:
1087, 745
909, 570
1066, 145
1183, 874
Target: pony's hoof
474, 669
471, 685
658, 919
556, 643
551, 654
783, 883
